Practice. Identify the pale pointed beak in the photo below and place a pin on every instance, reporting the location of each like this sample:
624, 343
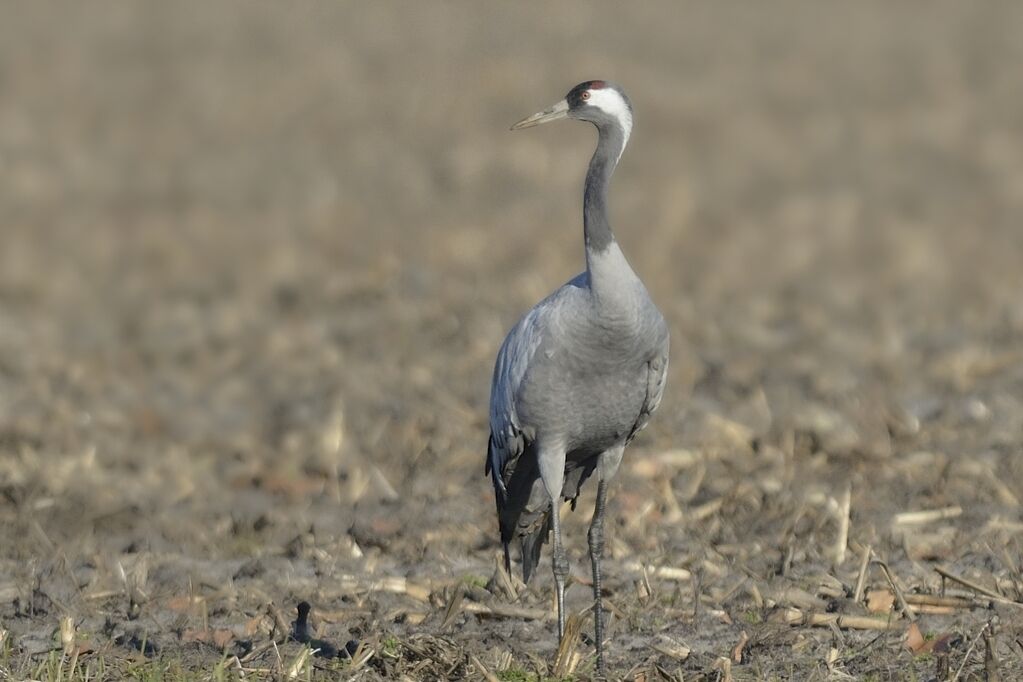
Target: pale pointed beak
559, 110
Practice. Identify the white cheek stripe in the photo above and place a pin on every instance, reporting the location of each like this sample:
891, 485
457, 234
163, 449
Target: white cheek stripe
612, 104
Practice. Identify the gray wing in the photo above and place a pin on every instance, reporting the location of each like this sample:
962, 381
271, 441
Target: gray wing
511, 455
657, 373
507, 440
508, 437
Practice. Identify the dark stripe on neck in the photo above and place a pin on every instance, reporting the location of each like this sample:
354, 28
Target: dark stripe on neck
596, 228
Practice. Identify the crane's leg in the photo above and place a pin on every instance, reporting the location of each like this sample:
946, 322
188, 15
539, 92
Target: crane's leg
552, 473
596, 538
607, 468
560, 566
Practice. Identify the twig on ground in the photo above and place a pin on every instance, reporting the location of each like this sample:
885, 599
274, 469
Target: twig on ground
790, 595
740, 648
861, 579
903, 606
454, 607
281, 628
257, 651
990, 657
502, 580
295, 669
949, 602
842, 541
926, 516
663, 572
724, 664
976, 587
489, 676
397, 585
969, 650
238, 666
672, 648
567, 658
797, 617
504, 611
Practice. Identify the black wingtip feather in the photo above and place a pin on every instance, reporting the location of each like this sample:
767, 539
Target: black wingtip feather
500, 491
532, 543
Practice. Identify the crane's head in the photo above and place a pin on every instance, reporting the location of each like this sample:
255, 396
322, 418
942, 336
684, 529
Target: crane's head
602, 103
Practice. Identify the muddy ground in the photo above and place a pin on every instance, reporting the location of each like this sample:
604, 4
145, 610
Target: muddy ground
257, 260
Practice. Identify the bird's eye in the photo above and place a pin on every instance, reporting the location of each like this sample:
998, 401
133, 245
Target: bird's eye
585, 95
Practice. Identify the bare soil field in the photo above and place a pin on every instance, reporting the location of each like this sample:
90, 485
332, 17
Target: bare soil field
256, 260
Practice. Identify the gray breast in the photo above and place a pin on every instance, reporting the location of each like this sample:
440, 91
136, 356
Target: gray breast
587, 383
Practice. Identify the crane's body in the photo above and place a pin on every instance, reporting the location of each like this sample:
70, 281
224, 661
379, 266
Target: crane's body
580, 374
575, 372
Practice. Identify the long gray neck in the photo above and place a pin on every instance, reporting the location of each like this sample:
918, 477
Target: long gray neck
596, 228
612, 281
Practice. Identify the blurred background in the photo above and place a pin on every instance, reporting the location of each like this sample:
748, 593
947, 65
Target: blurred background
256, 260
